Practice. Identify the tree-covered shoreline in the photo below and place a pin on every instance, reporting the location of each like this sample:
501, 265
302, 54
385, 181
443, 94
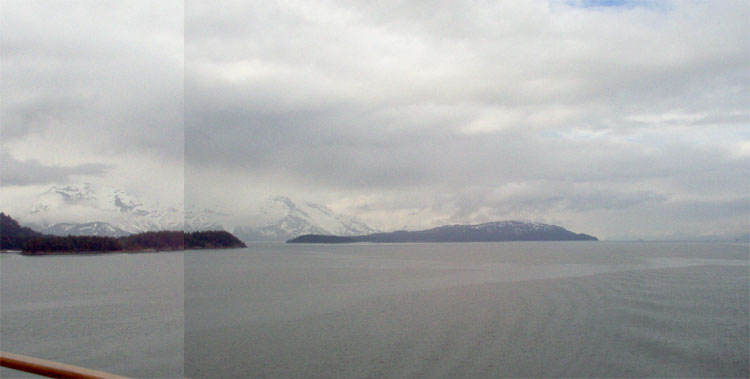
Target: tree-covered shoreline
29, 242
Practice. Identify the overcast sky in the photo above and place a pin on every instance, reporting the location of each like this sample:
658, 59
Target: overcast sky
91, 91
622, 119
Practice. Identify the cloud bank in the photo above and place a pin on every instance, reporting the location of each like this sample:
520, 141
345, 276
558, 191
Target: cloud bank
623, 119
94, 90
626, 119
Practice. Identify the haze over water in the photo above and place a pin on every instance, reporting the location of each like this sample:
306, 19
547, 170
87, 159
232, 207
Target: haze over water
528, 309
469, 310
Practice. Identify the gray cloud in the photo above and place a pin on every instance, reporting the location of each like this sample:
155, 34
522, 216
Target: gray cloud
87, 87
403, 113
109, 73
21, 173
456, 112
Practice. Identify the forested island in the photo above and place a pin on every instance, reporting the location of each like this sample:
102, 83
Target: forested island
16, 237
497, 231
321, 238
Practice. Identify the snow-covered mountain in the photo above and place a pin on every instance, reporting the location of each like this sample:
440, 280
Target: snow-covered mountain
101, 210
288, 219
88, 209
85, 229
200, 219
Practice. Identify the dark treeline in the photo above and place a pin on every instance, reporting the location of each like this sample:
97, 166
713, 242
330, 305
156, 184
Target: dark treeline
76, 244
163, 240
214, 239
15, 237
160, 241
12, 235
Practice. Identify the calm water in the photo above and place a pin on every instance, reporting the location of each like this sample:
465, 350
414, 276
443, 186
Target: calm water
572, 309
121, 313
469, 310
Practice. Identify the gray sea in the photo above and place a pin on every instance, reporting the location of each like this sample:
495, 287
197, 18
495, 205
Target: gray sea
121, 313
526, 309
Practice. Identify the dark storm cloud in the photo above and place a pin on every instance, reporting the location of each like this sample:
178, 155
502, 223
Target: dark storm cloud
21, 173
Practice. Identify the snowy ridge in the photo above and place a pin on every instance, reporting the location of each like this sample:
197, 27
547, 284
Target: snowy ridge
289, 220
108, 211
112, 210
197, 219
84, 229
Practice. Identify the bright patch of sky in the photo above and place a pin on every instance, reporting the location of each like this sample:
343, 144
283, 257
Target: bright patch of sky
652, 4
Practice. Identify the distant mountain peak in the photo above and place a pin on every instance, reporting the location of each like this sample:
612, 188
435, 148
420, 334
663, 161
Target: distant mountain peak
286, 219
71, 207
281, 200
322, 208
198, 219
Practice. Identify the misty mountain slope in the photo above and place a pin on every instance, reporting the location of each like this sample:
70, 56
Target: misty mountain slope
289, 219
95, 228
88, 209
197, 219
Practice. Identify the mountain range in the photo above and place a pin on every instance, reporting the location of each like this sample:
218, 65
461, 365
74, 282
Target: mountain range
96, 210
109, 211
487, 232
96, 228
14, 237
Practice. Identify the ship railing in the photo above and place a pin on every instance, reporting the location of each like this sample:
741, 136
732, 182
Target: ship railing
51, 369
